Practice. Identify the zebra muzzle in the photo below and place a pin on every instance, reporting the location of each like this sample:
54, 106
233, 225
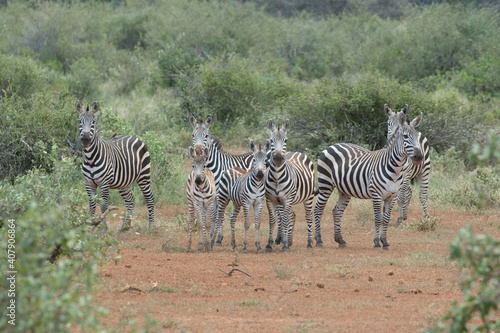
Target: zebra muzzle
198, 181
417, 156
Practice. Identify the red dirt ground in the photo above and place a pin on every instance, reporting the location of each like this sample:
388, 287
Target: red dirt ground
355, 289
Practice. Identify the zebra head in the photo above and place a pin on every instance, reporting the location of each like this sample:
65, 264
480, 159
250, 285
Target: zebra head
410, 137
87, 123
278, 141
200, 131
259, 159
392, 119
199, 157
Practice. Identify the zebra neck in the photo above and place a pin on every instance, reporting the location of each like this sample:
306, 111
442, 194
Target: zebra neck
278, 174
395, 156
204, 187
93, 154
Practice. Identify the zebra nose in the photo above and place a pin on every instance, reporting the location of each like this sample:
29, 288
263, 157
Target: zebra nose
198, 180
260, 174
417, 156
278, 157
85, 138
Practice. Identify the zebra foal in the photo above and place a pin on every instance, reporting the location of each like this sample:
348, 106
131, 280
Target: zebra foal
245, 189
289, 181
360, 173
200, 195
113, 164
410, 170
218, 161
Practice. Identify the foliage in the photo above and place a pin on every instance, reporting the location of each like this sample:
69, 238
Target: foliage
478, 257
48, 215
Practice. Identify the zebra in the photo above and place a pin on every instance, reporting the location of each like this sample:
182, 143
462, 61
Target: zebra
201, 196
360, 173
245, 189
289, 181
411, 171
113, 164
218, 160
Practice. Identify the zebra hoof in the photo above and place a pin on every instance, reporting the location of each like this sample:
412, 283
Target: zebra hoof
218, 244
343, 245
387, 248
319, 244
269, 249
259, 251
244, 251
377, 248
285, 250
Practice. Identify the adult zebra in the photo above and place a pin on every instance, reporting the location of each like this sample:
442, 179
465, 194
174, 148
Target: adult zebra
201, 196
360, 173
411, 171
245, 189
113, 164
289, 181
218, 161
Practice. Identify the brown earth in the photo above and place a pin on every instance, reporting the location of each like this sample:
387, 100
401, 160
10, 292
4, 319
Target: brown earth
354, 289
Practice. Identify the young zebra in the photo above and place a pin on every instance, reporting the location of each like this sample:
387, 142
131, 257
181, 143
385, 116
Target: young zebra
218, 160
289, 181
113, 164
360, 173
245, 189
201, 196
410, 170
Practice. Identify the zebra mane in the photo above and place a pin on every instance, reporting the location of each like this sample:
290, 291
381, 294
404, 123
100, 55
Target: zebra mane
216, 142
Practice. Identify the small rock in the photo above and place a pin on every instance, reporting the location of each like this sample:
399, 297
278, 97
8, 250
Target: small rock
320, 285
356, 290
391, 273
415, 291
401, 281
370, 278
128, 266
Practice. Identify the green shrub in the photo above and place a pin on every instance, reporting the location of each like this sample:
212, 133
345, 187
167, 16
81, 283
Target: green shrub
478, 258
84, 79
129, 31
20, 76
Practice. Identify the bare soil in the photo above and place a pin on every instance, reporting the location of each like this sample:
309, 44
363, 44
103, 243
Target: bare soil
329, 289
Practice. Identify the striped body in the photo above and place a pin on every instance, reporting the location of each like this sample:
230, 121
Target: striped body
114, 164
245, 189
289, 181
411, 171
201, 196
360, 173
218, 160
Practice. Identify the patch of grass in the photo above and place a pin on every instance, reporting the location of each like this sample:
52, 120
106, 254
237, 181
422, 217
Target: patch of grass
304, 327
166, 289
342, 271
425, 224
282, 271
253, 302
172, 323
169, 245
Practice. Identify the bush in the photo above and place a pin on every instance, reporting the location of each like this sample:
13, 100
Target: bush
20, 76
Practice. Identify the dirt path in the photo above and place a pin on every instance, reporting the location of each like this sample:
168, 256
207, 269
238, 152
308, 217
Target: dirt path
356, 289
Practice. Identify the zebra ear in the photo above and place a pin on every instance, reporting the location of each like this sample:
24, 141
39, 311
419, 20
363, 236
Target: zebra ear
405, 109
209, 121
192, 120
268, 145
252, 146
271, 125
191, 152
95, 107
79, 106
415, 122
286, 125
402, 118
388, 110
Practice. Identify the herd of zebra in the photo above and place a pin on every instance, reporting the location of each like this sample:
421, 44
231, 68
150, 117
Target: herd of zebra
267, 173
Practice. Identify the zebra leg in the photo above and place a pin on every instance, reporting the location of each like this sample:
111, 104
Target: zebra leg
309, 217
287, 225
377, 207
221, 208
246, 211
219, 235
402, 194
318, 213
292, 228
257, 208
407, 203
192, 216
338, 211
104, 203
200, 222
91, 192
204, 224
150, 202
232, 221
279, 211
424, 185
271, 207
129, 203
388, 204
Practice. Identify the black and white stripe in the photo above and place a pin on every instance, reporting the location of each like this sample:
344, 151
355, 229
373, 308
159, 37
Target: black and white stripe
360, 173
218, 160
201, 196
289, 181
113, 164
411, 171
245, 189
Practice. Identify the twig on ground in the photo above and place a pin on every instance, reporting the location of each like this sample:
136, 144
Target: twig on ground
234, 269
